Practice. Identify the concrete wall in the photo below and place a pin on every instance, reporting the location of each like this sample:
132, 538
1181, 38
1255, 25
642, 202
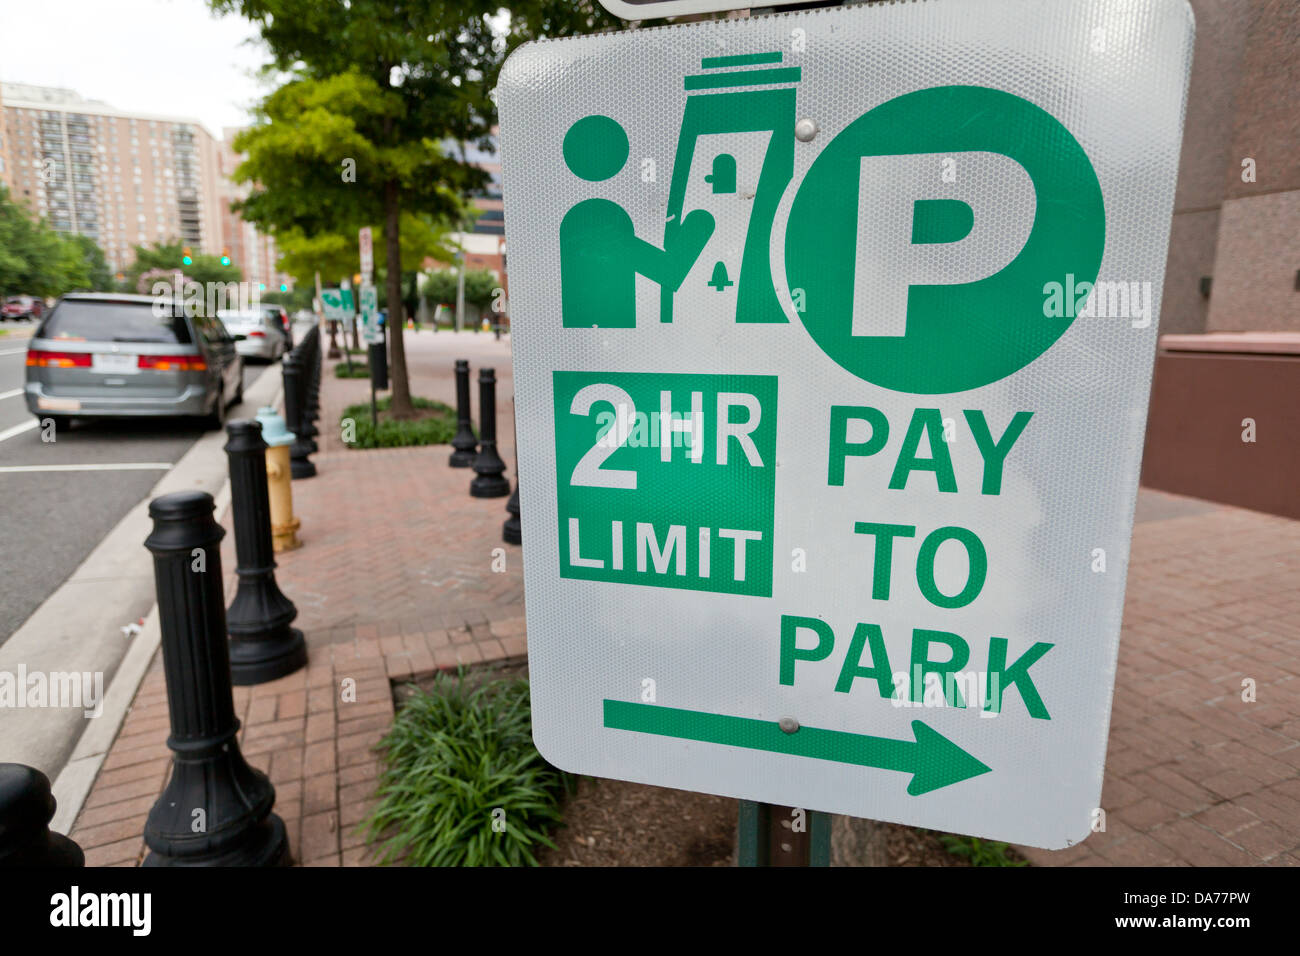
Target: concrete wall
1242, 103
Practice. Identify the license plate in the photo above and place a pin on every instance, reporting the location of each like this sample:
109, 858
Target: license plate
59, 404
115, 364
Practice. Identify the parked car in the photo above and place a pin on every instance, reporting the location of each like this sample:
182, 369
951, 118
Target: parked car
281, 315
106, 355
21, 307
262, 334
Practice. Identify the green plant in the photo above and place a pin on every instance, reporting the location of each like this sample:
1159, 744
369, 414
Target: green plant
463, 784
355, 370
979, 852
436, 426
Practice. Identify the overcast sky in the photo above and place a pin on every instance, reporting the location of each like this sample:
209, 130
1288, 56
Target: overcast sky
150, 56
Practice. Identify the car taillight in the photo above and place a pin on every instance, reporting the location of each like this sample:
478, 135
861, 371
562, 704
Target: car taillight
174, 363
36, 358
257, 335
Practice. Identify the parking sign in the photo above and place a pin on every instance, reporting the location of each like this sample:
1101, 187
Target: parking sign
834, 339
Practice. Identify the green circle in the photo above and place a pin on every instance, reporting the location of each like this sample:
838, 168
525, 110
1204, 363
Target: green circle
963, 336
595, 148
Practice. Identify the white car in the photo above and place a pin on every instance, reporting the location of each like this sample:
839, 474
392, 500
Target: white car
263, 337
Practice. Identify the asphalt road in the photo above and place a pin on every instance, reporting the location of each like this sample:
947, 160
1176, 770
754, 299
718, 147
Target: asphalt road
50, 520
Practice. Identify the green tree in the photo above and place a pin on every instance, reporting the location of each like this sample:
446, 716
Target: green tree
98, 277
378, 86
480, 287
336, 255
299, 297
36, 260
169, 257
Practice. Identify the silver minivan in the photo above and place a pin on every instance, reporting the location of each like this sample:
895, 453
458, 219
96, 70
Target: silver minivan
109, 355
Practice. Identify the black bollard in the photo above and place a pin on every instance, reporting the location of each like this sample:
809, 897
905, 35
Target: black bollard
489, 469
378, 366
262, 644
215, 809
300, 466
465, 443
26, 808
313, 382
310, 363
512, 532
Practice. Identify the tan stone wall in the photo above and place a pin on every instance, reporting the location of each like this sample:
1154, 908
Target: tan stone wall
1256, 264
1243, 102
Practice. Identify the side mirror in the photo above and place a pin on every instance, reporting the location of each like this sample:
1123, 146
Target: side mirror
239, 337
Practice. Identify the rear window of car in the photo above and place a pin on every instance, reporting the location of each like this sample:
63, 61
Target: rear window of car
73, 321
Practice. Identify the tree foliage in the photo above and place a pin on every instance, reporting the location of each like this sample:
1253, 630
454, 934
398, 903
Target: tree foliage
167, 258
336, 254
367, 129
480, 287
36, 260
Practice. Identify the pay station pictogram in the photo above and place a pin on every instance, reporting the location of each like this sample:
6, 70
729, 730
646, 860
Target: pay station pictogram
820, 465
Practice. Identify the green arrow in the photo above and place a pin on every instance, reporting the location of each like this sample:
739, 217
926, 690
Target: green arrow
933, 760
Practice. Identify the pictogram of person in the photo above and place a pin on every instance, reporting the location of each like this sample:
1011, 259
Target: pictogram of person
600, 253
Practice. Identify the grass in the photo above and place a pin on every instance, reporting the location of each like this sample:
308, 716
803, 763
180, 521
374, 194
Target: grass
462, 783
359, 370
980, 852
435, 425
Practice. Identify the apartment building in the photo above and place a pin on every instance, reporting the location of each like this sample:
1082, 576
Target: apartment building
125, 179
255, 252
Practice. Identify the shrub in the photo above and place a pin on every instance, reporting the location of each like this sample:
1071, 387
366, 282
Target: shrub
453, 757
359, 370
980, 852
437, 426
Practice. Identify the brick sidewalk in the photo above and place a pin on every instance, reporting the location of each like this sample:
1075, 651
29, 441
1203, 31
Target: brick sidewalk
395, 579
1194, 774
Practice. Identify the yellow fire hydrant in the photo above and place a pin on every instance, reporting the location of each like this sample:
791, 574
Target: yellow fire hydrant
278, 438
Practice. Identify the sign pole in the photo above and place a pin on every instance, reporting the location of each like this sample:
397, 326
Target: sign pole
770, 835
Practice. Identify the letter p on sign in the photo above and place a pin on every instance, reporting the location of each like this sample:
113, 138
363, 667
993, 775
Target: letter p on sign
916, 229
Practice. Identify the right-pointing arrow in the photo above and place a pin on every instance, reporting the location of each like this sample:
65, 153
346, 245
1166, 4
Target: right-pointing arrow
933, 760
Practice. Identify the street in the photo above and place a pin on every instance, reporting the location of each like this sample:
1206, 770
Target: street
52, 515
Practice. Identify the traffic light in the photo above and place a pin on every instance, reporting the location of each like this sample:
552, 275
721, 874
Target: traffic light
186, 258
225, 257
283, 287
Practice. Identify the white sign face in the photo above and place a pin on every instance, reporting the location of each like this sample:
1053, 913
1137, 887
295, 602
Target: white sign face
653, 9
835, 335
369, 315
365, 240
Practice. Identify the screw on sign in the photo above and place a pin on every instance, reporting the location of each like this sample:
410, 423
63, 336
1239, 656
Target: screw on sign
807, 437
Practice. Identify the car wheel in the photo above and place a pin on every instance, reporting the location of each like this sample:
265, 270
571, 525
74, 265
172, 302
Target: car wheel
216, 419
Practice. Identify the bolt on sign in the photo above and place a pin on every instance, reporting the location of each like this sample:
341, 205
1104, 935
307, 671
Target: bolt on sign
834, 334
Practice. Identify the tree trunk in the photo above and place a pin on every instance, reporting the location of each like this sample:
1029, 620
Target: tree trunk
856, 842
400, 406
